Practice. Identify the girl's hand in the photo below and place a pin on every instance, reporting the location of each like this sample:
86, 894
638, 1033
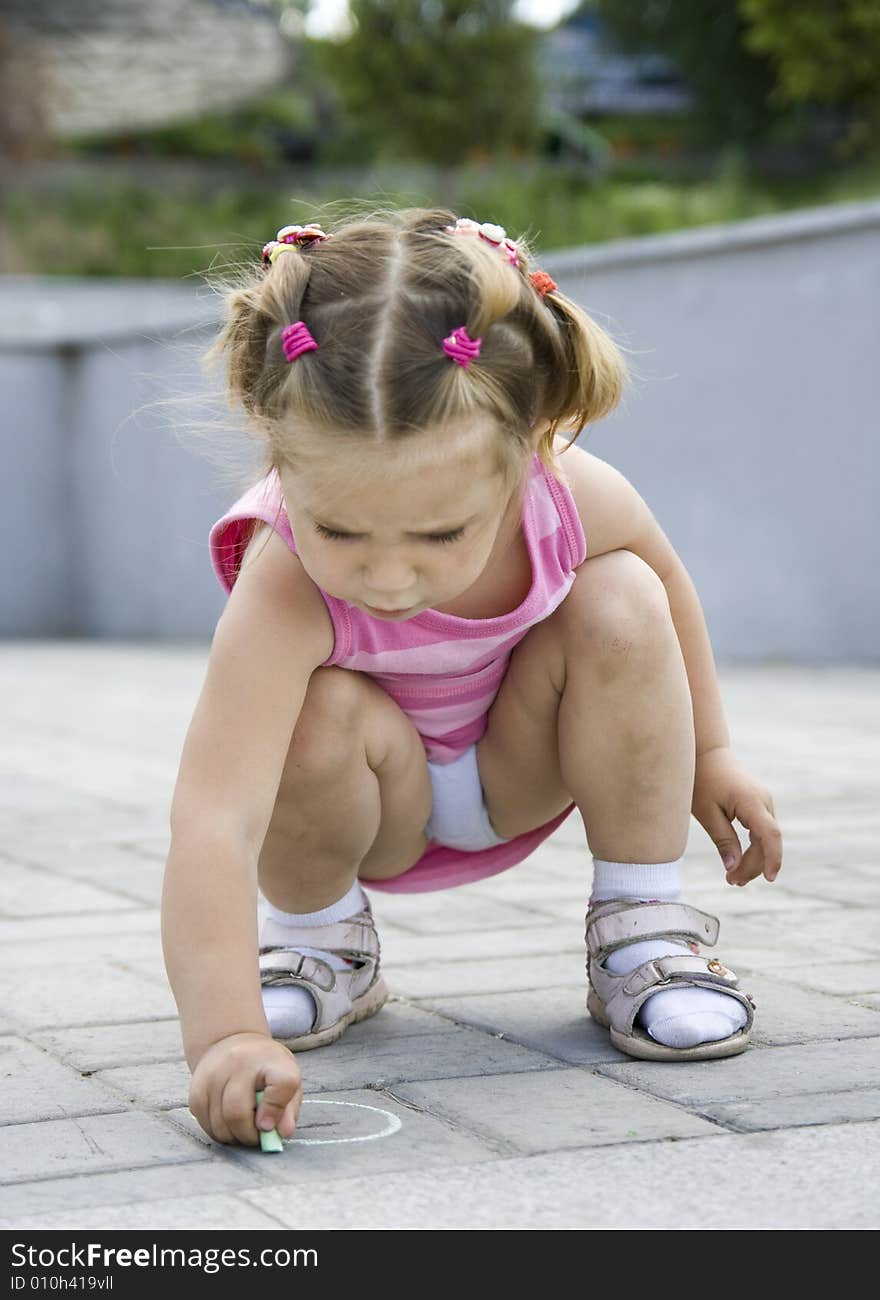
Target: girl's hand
724, 790
224, 1082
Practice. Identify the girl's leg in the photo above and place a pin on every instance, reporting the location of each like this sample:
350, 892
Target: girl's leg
626, 733
607, 681
353, 799
595, 709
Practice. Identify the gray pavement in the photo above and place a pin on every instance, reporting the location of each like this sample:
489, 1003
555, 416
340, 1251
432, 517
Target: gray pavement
482, 1095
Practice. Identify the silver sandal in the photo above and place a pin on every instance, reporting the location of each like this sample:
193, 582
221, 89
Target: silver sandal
614, 1000
342, 997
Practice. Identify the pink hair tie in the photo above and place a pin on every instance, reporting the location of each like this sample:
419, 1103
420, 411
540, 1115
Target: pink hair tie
296, 339
461, 347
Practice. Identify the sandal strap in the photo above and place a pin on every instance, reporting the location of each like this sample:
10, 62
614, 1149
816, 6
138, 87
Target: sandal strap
287, 966
284, 967
623, 995
355, 939
618, 922
661, 970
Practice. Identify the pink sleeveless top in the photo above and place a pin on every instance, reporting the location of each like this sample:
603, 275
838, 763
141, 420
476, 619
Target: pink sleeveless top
443, 671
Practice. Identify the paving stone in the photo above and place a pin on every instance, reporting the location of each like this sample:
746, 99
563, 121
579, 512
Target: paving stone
397, 1019
450, 910
346, 1065
808, 844
556, 863
86, 925
760, 896
149, 966
137, 878
563, 904
33, 1086
502, 956
702, 887
32, 891
757, 1073
192, 1213
356, 1131
855, 926
107, 946
82, 993
789, 1014
89, 768
119, 868
214, 1173
844, 978
851, 886
759, 943
91, 1144
158, 1086
63, 827
791, 1112
76, 857
445, 1055
554, 1022
552, 1111
116, 1051
101, 1047
24, 803
739, 1181
507, 974
476, 945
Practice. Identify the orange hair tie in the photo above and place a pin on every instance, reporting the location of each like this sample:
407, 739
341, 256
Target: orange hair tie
542, 282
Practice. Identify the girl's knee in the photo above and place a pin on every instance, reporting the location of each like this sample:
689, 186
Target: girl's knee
616, 602
329, 727
336, 693
344, 713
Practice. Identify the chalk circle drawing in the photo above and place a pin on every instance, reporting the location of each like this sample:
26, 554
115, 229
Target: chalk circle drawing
393, 1123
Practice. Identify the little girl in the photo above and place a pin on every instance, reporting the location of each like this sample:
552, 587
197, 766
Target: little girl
436, 645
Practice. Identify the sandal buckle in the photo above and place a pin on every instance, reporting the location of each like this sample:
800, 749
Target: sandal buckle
641, 978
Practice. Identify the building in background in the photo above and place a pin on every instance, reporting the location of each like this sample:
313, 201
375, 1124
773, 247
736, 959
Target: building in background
585, 74
118, 65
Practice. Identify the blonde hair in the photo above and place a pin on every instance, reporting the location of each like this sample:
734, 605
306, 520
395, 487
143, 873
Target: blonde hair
379, 298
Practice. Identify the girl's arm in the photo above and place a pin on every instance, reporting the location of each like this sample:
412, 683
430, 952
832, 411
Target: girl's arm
273, 633
710, 727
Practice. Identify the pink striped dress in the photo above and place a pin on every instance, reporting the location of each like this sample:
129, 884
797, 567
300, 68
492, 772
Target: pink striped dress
443, 671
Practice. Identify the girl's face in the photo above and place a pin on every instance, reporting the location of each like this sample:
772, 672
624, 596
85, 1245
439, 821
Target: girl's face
396, 533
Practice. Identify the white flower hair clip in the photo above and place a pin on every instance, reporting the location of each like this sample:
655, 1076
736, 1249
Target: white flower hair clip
493, 234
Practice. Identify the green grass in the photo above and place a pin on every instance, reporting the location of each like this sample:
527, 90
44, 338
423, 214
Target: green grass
103, 225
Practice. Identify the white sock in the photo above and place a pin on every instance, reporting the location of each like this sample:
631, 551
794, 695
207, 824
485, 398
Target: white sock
290, 1009
677, 1017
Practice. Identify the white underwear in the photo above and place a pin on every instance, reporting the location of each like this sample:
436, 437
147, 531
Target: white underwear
459, 818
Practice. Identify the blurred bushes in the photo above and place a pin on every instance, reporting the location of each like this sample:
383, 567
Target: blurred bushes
169, 222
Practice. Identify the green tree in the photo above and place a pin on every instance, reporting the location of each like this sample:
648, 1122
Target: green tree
438, 80
825, 51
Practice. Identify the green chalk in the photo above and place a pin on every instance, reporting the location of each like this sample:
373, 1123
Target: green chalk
269, 1141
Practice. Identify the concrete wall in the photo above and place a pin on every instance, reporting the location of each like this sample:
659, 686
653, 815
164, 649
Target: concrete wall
750, 430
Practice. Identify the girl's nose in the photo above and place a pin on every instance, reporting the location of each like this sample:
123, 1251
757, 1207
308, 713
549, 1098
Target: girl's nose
387, 581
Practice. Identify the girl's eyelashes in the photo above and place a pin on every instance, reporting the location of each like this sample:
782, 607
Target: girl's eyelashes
442, 538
